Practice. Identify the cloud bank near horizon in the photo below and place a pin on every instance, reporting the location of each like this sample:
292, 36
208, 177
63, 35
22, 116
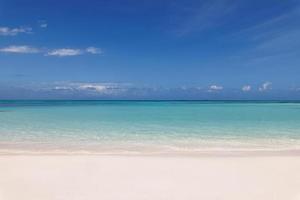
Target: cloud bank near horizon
106, 90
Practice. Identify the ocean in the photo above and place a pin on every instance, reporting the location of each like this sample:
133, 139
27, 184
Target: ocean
108, 127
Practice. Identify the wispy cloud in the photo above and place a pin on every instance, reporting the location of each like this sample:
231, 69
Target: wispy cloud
201, 15
274, 37
214, 88
274, 26
246, 88
64, 52
265, 86
19, 49
6, 31
94, 50
283, 43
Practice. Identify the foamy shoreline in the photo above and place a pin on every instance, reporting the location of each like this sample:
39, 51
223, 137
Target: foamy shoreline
180, 153
107, 177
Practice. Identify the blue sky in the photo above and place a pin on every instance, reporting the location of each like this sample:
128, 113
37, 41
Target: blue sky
150, 49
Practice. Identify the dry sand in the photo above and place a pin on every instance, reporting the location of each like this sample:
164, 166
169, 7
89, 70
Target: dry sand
83, 177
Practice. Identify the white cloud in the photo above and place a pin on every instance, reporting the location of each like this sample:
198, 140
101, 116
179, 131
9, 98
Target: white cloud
6, 31
265, 86
73, 52
19, 49
93, 50
95, 87
91, 88
246, 88
62, 88
64, 52
213, 88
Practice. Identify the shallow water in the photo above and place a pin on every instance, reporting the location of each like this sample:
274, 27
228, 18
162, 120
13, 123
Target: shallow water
152, 126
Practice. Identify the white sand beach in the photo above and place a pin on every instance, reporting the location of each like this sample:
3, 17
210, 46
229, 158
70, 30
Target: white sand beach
89, 177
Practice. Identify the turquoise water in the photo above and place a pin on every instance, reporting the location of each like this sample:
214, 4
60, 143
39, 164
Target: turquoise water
152, 126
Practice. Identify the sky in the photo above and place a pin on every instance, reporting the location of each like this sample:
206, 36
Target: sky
150, 49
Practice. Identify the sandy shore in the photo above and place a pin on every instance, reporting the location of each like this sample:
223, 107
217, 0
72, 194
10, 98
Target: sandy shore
83, 177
